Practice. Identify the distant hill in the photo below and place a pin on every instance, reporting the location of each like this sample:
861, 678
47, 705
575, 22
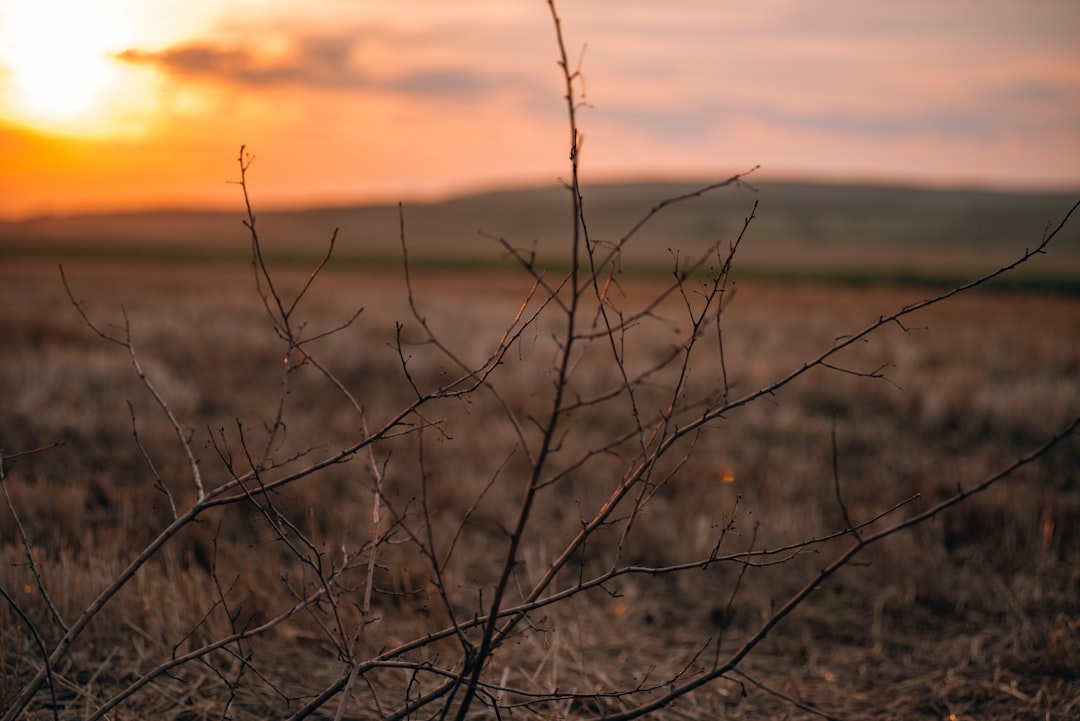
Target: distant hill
800, 229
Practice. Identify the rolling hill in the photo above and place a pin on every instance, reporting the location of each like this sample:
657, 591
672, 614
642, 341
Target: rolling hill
839, 232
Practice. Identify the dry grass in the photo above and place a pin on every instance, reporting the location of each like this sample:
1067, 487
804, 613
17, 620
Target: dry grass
974, 614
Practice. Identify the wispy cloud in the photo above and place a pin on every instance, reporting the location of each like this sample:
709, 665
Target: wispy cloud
322, 62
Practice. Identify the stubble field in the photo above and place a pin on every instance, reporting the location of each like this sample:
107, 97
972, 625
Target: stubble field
973, 614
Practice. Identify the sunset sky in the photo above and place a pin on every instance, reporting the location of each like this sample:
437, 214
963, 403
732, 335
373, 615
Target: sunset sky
117, 104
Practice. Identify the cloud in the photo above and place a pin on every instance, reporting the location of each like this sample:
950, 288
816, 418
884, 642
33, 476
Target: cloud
318, 62
313, 62
1047, 95
939, 123
440, 81
708, 117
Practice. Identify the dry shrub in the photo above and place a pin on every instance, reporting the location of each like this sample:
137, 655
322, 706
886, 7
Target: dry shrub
562, 493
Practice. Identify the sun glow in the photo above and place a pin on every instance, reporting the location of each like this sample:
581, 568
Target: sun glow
57, 64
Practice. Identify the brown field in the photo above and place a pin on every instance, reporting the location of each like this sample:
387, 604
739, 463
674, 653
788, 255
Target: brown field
974, 614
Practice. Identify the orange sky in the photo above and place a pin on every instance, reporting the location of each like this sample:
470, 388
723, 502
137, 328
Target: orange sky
137, 103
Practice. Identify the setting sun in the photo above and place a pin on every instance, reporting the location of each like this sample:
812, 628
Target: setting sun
59, 73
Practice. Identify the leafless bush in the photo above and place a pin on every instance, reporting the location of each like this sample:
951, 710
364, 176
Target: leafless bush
452, 581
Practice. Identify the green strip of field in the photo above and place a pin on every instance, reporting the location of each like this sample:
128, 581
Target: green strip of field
1064, 281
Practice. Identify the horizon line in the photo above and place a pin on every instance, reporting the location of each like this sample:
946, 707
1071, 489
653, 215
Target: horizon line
479, 190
